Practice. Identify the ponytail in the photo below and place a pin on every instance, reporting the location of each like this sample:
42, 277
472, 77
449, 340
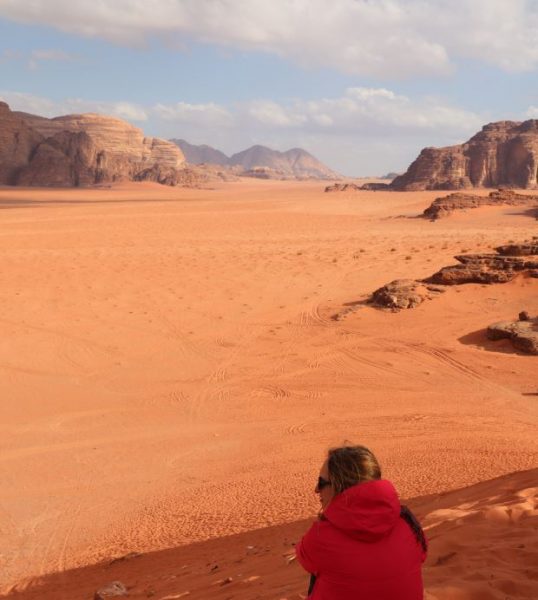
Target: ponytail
412, 521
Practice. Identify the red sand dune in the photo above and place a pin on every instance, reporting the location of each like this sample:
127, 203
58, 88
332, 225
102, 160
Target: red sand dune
483, 545
174, 375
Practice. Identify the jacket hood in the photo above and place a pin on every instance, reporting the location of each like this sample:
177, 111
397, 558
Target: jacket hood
367, 511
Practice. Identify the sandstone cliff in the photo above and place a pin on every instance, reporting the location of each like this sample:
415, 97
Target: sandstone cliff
501, 154
87, 149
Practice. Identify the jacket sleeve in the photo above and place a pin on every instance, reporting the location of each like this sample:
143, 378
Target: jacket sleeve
307, 550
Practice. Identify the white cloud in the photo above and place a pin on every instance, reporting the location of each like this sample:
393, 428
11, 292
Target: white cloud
363, 111
46, 107
38, 56
7, 55
362, 131
209, 114
271, 113
383, 38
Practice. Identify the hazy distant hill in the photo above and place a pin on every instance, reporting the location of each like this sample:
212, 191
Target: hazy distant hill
260, 161
197, 155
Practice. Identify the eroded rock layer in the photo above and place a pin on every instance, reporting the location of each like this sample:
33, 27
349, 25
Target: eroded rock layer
509, 261
445, 206
78, 150
502, 153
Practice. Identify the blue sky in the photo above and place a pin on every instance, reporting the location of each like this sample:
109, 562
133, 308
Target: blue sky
362, 85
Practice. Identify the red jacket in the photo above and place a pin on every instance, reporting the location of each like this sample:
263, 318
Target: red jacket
362, 549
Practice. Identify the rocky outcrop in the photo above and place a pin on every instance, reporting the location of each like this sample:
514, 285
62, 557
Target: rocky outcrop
490, 268
353, 187
17, 143
343, 187
404, 293
375, 186
80, 150
509, 261
529, 248
522, 333
502, 153
260, 162
445, 206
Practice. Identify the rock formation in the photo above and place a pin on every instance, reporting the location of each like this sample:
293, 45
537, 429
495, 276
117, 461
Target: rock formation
446, 205
509, 261
79, 150
343, 187
404, 293
522, 333
353, 187
115, 589
260, 162
502, 153
484, 268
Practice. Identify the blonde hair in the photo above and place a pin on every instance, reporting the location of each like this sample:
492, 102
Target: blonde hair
349, 465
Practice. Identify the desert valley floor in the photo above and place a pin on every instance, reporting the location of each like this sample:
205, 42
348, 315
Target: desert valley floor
171, 372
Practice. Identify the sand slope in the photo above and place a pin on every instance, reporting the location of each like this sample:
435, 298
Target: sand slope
483, 546
170, 372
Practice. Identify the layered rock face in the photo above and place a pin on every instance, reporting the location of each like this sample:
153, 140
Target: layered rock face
445, 206
76, 150
501, 154
509, 261
17, 142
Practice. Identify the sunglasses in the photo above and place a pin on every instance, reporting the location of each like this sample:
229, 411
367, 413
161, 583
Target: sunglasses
322, 483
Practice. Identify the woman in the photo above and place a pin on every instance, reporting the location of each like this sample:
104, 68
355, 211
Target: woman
364, 546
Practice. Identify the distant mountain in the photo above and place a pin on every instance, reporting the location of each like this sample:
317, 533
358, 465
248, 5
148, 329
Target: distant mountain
197, 155
260, 161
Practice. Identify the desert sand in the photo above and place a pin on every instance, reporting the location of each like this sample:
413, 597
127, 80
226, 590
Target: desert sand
170, 373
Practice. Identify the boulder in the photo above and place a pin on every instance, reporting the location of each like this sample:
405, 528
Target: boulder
112, 590
522, 334
403, 293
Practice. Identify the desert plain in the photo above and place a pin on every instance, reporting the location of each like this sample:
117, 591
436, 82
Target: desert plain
172, 372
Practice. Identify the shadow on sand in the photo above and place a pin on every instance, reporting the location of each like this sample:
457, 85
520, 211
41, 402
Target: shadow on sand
7, 203
479, 339
530, 212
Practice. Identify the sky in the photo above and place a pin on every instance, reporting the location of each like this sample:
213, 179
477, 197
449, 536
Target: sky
363, 85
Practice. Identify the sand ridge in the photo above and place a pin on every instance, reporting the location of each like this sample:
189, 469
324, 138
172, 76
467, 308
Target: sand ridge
173, 373
482, 545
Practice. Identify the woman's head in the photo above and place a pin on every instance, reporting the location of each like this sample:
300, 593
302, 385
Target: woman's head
345, 467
